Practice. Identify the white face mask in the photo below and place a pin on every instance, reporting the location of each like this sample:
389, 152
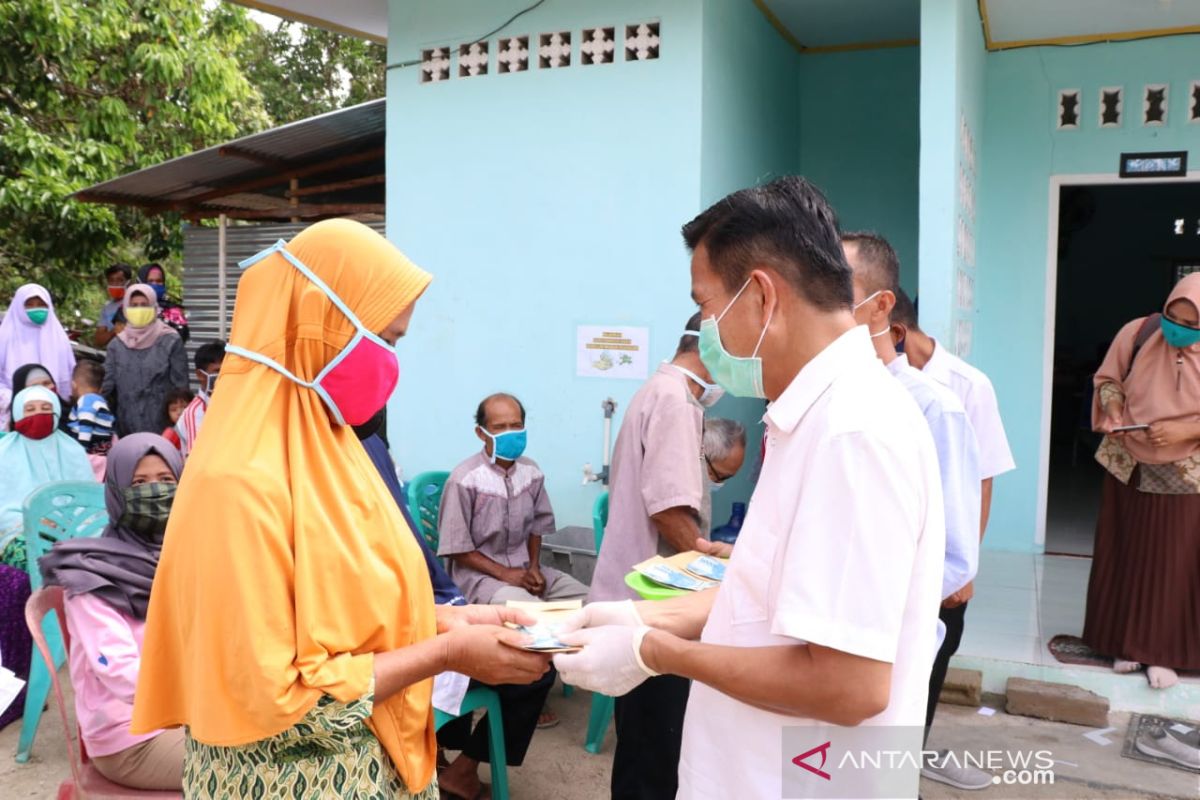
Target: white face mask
711, 394
866, 300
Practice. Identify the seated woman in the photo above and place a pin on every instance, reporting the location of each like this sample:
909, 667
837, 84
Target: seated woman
30, 332
37, 375
107, 582
35, 454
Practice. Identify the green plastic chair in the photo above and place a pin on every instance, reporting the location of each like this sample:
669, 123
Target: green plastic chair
488, 700
57, 511
602, 704
424, 504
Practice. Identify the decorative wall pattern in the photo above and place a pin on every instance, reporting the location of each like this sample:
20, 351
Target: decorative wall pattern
1068, 109
1110, 106
641, 41
598, 46
1154, 104
435, 65
553, 50
513, 55
472, 59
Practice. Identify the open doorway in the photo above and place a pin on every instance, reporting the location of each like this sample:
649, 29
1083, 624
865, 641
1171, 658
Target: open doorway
1121, 247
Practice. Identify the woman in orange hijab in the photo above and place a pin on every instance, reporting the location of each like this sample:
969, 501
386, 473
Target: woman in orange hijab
1143, 604
291, 627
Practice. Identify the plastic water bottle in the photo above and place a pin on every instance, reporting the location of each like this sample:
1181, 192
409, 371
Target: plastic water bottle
728, 532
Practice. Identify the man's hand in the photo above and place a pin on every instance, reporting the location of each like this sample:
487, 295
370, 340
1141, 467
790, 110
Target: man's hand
609, 663
961, 596
595, 615
711, 548
533, 582
1170, 433
513, 576
450, 618
493, 655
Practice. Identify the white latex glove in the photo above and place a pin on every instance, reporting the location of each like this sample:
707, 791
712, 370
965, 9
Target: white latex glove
609, 663
595, 615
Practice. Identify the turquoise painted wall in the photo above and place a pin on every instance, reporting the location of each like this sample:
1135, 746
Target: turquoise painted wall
863, 149
1020, 151
952, 85
546, 199
749, 121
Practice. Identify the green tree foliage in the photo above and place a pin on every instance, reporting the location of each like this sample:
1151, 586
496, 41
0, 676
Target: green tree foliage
93, 89
303, 71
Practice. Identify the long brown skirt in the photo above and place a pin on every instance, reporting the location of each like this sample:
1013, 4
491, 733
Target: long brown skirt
1143, 601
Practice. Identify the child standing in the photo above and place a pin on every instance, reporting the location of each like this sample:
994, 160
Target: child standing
91, 422
177, 400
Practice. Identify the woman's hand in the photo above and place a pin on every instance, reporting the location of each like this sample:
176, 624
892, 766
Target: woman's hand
451, 618
492, 655
1172, 432
1114, 417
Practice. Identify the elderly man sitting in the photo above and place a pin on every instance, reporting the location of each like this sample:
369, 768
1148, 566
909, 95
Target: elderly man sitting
495, 512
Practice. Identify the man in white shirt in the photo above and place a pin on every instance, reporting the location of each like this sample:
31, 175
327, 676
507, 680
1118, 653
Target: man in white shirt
826, 613
979, 398
876, 282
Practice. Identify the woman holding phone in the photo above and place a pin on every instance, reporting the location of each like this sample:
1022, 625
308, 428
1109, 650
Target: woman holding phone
1143, 604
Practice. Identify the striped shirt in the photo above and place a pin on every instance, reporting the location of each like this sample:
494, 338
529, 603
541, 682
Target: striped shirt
91, 423
188, 426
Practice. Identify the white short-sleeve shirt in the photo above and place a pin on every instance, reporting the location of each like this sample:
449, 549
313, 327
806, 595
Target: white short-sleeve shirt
979, 398
843, 546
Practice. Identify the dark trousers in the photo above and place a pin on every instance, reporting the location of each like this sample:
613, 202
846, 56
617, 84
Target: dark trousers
954, 619
520, 706
649, 726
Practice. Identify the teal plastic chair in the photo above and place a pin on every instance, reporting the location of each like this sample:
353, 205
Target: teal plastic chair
602, 704
424, 494
57, 511
424, 503
489, 701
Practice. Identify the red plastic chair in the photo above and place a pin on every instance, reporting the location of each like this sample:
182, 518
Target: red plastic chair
85, 780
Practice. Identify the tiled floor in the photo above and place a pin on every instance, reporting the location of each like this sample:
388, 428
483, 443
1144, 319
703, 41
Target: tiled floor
1022, 601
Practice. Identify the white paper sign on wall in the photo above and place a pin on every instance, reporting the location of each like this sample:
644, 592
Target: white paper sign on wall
612, 351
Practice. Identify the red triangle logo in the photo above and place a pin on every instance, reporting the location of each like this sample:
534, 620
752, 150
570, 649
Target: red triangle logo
823, 749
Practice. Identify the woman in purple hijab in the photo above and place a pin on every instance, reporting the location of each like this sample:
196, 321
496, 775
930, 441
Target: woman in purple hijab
108, 581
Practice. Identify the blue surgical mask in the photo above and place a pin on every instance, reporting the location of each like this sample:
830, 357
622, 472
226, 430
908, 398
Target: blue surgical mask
741, 376
1179, 335
160, 291
507, 446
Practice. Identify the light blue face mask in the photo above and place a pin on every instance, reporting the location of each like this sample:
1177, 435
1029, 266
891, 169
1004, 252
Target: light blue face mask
1178, 335
741, 376
711, 392
507, 446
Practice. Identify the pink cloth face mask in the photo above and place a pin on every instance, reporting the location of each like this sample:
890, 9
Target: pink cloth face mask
360, 378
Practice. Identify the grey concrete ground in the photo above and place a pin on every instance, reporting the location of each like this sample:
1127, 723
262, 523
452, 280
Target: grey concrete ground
558, 768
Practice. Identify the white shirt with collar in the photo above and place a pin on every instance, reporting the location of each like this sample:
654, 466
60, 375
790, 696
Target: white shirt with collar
958, 465
979, 398
843, 546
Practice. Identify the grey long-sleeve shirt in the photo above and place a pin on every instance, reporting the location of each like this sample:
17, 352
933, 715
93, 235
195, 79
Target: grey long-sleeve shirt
136, 382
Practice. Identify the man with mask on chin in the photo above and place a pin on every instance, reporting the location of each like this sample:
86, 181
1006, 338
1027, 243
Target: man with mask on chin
827, 613
657, 499
495, 512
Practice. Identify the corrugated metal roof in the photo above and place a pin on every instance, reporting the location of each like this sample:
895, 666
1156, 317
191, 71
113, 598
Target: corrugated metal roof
355, 134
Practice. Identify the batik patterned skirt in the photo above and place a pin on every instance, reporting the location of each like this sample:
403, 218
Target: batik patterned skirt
330, 753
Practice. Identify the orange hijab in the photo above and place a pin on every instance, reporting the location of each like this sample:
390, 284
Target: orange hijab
1163, 385
286, 564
